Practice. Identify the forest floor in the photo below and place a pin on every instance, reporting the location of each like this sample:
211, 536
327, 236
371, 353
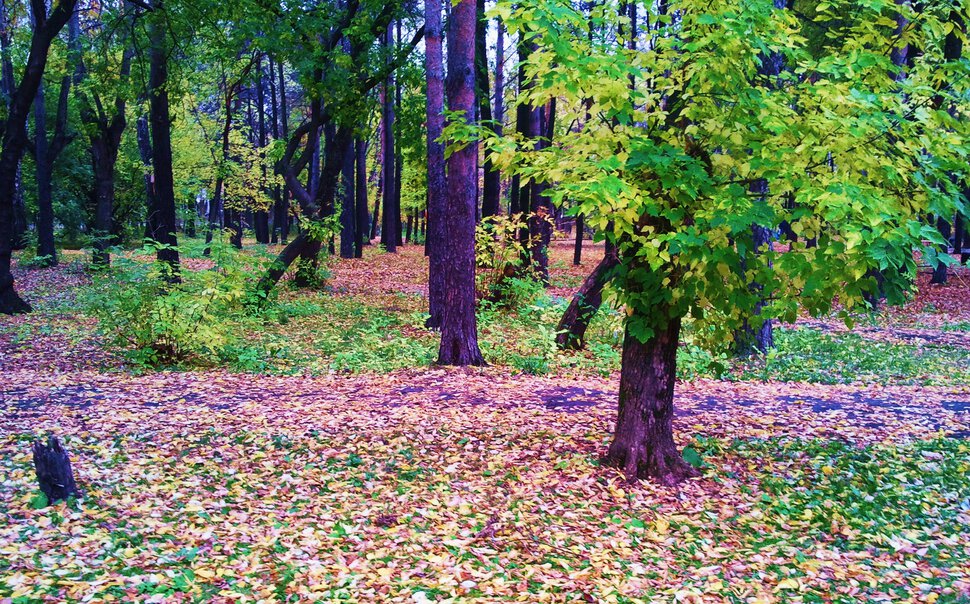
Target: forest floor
338, 464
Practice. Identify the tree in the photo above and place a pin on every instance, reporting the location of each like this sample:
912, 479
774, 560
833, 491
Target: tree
45, 29
160, 121
338, 84
665, 172
434, 67
459, 331
103, 122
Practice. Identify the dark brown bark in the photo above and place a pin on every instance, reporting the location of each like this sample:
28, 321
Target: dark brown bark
437, 201
491, 182
940, 270
43, 177
53, 469
348, 209
283, 209
398, 154
261, 215
571, 332
389, 223
143, 134
578, 247
105, 130
643, 442
459, 331
360, 198
46, 28
161, 129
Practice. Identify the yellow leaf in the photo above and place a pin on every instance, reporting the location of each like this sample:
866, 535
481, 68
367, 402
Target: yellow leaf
788, 584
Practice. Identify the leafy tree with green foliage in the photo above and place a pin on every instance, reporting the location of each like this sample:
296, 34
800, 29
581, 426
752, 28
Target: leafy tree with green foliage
664, 170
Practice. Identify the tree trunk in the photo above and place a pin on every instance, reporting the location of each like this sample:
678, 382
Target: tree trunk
261, 214
283, 212
491, 183
571, 332
459, 332
348, 211
437, 201
53, 469
362, 228
44, 177
14, 141
756, 334
161, 128
389, 223
643, 442
398, 156
940, 270
578, 247
103, 159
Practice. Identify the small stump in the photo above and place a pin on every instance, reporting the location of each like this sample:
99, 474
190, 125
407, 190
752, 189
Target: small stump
53, 469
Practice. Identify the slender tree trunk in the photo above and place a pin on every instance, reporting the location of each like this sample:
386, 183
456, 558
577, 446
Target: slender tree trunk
261, 214
541, 219
940, 270
284, 211
643, 443
571, 332
145, 153
15, 140
437, 200
398, 155
44, 178
348, 211
491, 183
389, 225
362, 228
578, 247
459, 332
161, 127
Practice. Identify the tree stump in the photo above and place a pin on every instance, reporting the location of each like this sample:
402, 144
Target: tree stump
53, 469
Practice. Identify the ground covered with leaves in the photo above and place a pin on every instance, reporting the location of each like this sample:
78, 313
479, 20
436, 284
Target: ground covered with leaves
340, 466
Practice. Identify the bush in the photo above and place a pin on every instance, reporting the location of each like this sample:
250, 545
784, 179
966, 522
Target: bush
159, 322
500, 257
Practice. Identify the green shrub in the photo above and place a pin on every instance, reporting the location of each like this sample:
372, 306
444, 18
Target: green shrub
160, 322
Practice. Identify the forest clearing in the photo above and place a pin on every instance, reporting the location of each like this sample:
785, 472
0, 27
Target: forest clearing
484, 301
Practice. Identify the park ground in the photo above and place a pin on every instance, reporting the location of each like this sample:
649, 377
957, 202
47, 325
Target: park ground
325, 458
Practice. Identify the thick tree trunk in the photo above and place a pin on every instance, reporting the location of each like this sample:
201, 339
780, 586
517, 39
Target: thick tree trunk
348, 210
360, 198
437, 201
161, 128
103, 158
459, 331
15, 140
643, 443
53, 469
571, 332
541, 221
